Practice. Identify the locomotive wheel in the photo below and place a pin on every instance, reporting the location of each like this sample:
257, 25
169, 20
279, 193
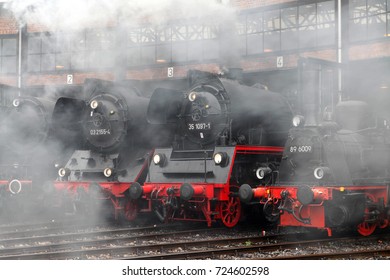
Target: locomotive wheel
366, 228
130, 211
230, 211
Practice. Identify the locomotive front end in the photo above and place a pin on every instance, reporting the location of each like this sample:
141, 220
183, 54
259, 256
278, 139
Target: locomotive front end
115, 153
224, 130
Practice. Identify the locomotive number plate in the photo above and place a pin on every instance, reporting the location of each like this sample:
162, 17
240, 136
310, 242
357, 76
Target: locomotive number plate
99, 131
300, 149
199, 126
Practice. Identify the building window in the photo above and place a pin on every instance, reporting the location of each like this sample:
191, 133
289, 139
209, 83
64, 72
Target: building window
368, 19
289, 28
8, 55
91, 49
174, 43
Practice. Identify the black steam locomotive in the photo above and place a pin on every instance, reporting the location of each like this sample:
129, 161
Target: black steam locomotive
223, 132
116, 152
35, 133
334, 175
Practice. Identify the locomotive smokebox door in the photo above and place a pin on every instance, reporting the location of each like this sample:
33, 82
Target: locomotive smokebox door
164, 106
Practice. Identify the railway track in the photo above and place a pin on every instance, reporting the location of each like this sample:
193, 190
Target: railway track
60, 241
93, 242
273, 248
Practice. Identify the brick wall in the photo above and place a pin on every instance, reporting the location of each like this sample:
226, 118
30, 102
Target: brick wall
8, 24
9, 80
367, 51
61, 79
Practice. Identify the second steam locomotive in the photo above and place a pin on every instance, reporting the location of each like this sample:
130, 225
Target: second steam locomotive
223, 132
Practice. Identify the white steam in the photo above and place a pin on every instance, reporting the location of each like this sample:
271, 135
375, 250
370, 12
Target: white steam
76, 14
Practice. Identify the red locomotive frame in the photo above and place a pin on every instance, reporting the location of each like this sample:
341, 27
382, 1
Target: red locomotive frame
210, 201
313, 214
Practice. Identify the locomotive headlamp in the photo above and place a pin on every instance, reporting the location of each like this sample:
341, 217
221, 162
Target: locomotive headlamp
15, 186
221, 158
298, 121
62, 172
159, 159
94, 104
107, 172
16, 102
262, 172
321, 172
192, 96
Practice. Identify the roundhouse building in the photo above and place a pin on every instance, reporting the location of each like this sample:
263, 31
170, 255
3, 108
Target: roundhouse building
277, 43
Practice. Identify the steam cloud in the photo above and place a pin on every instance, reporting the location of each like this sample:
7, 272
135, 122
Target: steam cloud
74, 14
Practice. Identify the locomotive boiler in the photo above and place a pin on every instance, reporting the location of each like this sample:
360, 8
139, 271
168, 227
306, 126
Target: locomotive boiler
334, 175
31, 141
117, 143
224, 130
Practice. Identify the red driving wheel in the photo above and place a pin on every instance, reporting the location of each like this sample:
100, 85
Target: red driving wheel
230, 211
367, 228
